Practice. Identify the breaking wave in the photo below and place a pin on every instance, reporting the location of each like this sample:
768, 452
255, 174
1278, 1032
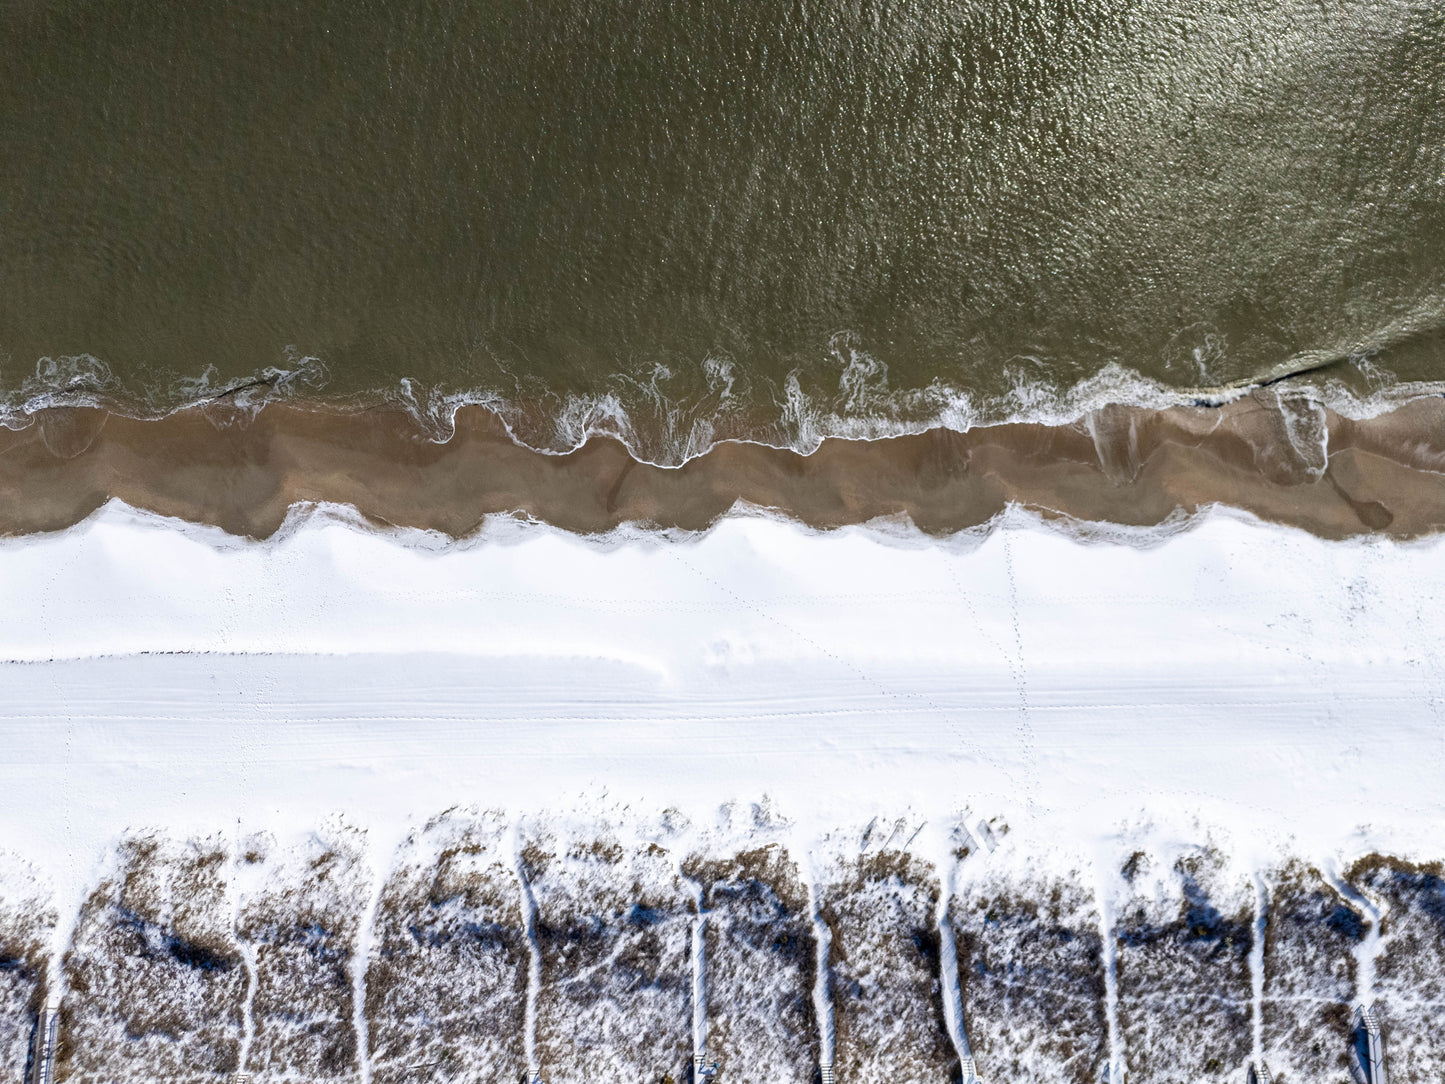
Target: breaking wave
668, 416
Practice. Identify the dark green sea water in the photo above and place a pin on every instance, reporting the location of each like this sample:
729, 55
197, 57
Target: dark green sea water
708, 218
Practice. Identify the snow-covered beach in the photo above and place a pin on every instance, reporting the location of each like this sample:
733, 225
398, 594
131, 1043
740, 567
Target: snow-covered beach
668, 542
1262, 680
1029, 707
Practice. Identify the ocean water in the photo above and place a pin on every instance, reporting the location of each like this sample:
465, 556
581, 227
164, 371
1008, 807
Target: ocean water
687, 220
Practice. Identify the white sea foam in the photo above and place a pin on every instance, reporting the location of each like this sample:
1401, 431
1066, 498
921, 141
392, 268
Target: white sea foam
83, 380
666, 421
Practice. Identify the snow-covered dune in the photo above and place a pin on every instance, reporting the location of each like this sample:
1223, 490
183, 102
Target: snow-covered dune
1119, 759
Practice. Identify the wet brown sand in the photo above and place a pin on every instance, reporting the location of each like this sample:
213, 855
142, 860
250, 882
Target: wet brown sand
1120, 465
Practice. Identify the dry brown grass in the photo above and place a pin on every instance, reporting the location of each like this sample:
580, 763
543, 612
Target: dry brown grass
887, 995
1031, 961
155, 979
446, 982
614, 925
1309, 975
1184, 934
1410, 971
303, 924
760, 967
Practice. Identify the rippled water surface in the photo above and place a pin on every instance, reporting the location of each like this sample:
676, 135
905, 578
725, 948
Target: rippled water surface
704, 219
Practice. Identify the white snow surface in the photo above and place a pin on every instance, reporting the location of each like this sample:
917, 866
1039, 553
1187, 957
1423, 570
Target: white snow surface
1251, 685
